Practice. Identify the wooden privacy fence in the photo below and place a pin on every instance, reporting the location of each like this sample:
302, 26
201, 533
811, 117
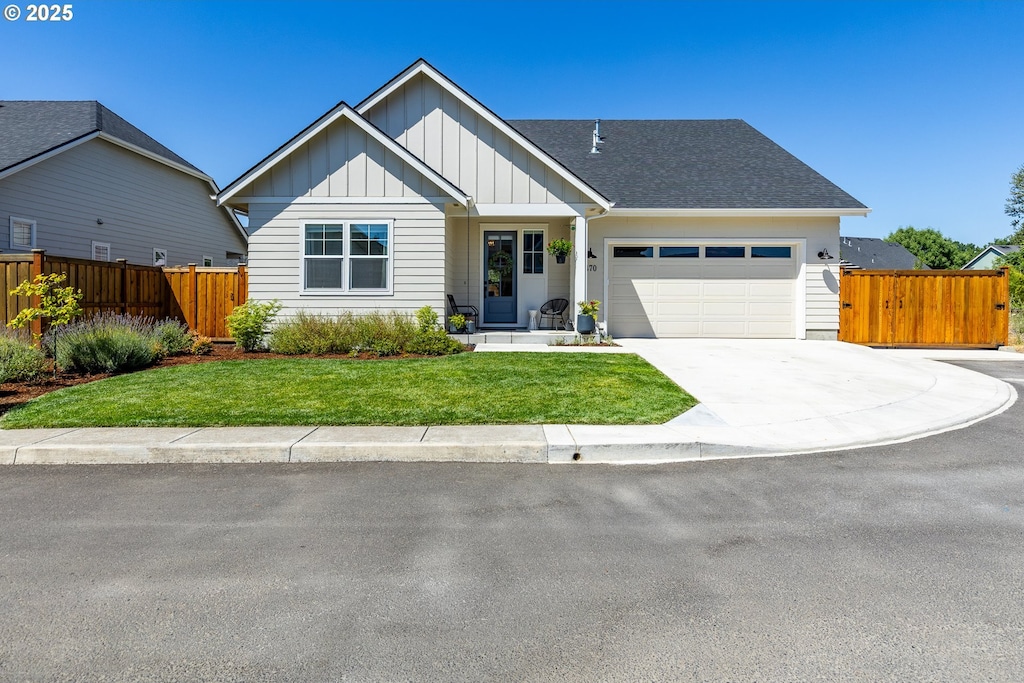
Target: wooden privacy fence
201, 297
965, 308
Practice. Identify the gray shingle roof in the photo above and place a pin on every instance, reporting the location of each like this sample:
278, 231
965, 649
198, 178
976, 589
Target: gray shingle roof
684, 164
29, 128
872, 253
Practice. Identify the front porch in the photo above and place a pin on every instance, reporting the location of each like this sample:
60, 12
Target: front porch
500, 265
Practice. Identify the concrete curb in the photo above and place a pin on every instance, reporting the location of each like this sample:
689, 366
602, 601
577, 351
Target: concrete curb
552, 444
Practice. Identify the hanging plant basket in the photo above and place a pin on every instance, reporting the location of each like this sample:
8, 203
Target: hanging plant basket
559, 258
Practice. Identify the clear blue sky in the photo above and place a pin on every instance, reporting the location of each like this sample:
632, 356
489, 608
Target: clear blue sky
914, 108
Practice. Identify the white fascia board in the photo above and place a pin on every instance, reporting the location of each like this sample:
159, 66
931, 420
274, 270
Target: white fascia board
305, 199
556, 210
156, 157
46, 155
671, 213
343, 111
422, 67
987, 250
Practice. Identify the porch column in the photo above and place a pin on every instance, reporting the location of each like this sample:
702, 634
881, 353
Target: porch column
579, 285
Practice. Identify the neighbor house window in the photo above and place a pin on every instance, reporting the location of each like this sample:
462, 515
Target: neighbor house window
23, 233
207, 261
159, 257
346, 257
100, 251
533, 252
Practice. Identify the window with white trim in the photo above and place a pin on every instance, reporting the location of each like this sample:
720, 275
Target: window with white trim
23, 233
100, 251
207, 261
159, 257
347, 256
533, 252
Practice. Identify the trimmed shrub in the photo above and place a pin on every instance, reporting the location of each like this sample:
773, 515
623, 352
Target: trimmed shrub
106, 343
200, 345
174, 337
250, 323
382, 334
19, 362
315, 334
434, 342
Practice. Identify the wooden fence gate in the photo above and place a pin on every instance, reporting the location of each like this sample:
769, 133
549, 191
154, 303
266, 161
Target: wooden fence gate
203, 297
964, 308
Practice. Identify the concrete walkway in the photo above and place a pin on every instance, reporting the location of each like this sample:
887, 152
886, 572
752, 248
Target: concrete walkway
758, 397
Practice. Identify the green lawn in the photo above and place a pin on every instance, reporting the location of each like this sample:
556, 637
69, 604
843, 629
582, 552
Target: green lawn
470, 388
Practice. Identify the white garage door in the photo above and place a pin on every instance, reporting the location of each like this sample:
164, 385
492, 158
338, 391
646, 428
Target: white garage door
666, 290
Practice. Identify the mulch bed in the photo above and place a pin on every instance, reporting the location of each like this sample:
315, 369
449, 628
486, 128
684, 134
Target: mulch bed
14, 394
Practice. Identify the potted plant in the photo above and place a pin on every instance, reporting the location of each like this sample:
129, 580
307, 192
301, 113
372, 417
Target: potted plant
456, 323
586, 321
559, 248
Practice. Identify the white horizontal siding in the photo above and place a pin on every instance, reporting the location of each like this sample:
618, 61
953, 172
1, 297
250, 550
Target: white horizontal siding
822, 296
143, 205
417, 252
470, 152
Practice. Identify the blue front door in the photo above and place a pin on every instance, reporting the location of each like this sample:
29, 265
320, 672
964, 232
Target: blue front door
500, 277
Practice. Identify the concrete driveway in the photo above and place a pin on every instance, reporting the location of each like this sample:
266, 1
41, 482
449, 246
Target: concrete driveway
796, 396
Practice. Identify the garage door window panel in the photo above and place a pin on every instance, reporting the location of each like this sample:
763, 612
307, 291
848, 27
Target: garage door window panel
771, 252
725, 252
678, 252
633, 252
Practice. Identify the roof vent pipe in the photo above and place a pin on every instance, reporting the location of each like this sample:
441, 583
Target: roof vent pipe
597, 137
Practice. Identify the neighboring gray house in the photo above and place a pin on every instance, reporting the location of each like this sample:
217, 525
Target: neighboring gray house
680, 228
78, 180
986, 260
872, 253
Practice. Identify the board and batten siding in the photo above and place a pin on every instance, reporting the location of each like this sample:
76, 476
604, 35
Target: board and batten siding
479, 159
143, 205
822, 277
341, 161
417, 252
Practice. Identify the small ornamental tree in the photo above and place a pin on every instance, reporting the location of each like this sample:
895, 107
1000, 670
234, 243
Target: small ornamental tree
58, 305
250, 322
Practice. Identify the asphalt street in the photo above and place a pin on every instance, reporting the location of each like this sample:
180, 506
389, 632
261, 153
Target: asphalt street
904, 562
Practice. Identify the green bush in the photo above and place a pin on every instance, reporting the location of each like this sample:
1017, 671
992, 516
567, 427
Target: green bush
381, 334
312, 333
174, 337
106, 343
434, 342
250, 323
19, 362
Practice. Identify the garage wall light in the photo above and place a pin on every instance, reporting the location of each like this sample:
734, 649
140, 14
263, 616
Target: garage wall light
825, 256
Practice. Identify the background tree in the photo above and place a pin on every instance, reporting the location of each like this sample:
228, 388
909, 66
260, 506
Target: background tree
932, 248
1015, 208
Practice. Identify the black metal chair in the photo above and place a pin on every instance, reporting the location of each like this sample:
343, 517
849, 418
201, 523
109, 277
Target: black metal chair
467, 310
555, 310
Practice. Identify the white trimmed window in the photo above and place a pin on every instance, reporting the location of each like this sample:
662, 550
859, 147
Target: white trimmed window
351, 257
159, 257
207, 261
100, 251
23, 233
533, 252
